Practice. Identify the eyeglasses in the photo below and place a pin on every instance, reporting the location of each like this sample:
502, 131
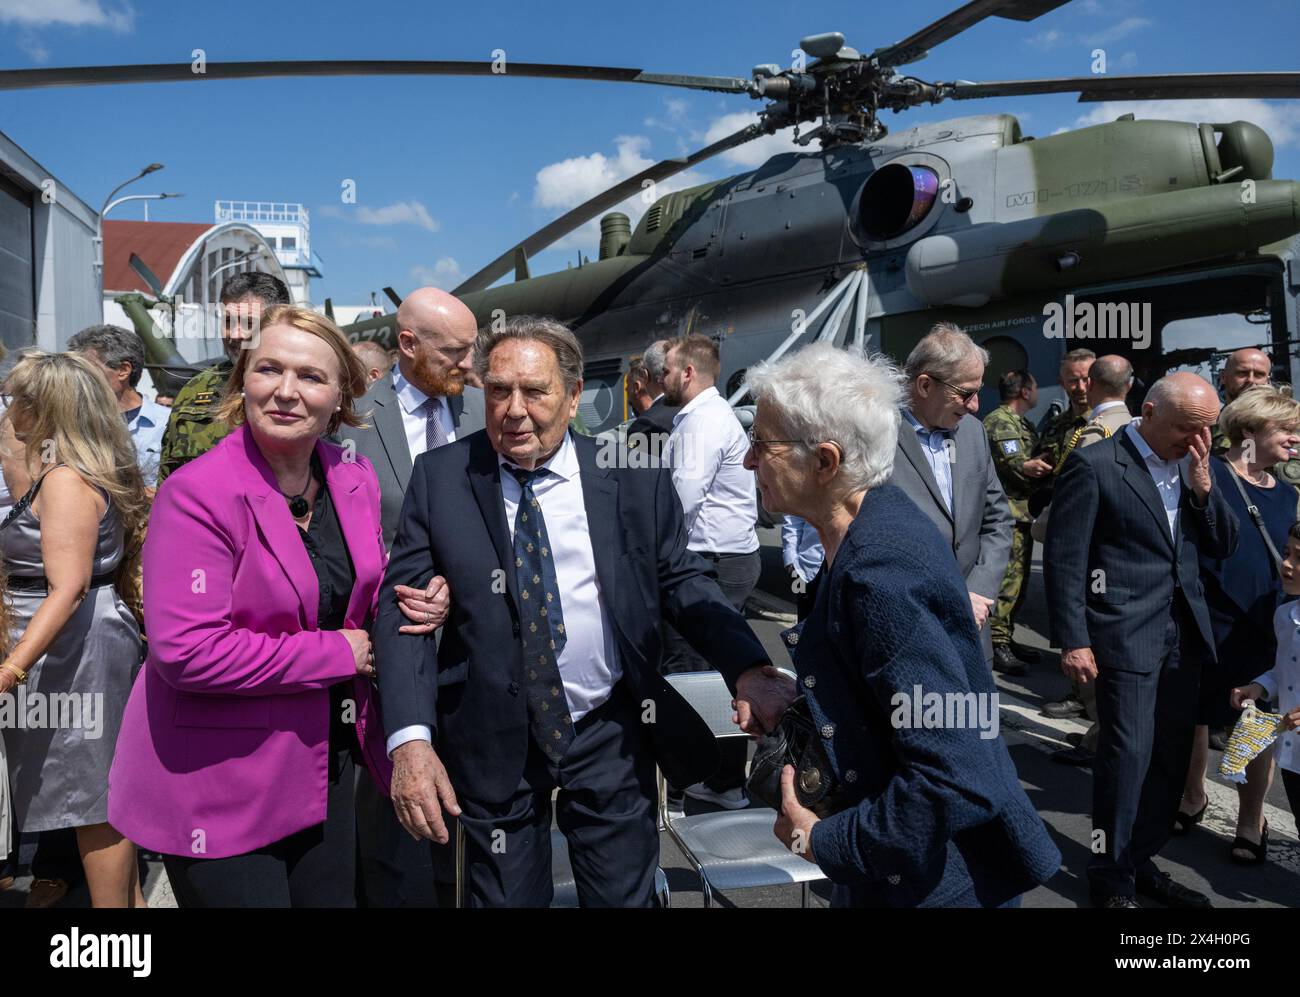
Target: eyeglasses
963, 393
762, 445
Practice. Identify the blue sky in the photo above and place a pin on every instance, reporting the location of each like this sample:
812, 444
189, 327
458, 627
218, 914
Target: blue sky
451, 172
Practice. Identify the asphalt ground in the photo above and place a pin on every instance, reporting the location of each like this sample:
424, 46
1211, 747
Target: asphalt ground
1061, 794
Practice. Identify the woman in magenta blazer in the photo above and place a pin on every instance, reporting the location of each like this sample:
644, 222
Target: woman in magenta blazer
262, 571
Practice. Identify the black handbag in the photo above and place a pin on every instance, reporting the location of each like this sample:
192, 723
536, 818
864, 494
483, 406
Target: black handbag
795, 742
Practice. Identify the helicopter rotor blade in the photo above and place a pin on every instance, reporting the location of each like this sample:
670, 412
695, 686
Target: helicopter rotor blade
589, 209
916, 46
1174, 86
75, 76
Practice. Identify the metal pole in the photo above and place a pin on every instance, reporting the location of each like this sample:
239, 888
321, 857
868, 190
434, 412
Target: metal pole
830, 299
831, 327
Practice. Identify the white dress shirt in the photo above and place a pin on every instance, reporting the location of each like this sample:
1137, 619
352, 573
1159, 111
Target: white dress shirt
706, 452
1282, 681
1164, 473
589, 665
936, 445
410, 400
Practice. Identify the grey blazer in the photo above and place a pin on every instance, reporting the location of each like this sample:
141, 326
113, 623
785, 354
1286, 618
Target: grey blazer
979, 529
383, 442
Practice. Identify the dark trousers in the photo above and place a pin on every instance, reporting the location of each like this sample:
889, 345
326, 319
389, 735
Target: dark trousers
314, 867
1291, 783
394, 869
737, 576
58, 857
605, 808
1143, 749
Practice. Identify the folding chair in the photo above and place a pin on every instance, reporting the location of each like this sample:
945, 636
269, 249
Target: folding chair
730, 850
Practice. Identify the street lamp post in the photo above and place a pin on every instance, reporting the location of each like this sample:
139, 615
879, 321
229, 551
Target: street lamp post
99, 225
138, 197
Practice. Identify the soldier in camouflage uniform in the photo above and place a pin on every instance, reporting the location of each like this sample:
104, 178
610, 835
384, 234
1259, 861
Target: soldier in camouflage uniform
1250, 368
193, 427
1012, 440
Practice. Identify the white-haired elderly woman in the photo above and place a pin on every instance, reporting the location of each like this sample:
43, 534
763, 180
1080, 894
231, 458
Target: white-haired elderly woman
922, 806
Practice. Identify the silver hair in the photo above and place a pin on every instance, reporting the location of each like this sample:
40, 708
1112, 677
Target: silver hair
941, 353
112, 344
655, 359
547, 331
821, 394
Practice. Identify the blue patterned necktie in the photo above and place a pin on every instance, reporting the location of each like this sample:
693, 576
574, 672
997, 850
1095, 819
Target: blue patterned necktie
542, 622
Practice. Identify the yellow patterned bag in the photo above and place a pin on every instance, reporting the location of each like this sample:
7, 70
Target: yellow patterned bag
1255, 731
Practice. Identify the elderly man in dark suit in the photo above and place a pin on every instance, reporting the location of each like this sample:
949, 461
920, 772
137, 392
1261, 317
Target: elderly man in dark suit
424, 404
1126, 605
943, 464
560, 566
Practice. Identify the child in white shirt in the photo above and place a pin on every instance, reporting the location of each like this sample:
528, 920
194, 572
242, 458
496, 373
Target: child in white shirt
1281, 684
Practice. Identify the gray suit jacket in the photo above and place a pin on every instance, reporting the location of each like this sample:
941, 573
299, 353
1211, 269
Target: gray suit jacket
979, 529
383, 442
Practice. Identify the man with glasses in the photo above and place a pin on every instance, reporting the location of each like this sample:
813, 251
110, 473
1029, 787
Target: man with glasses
944, 466
423, 405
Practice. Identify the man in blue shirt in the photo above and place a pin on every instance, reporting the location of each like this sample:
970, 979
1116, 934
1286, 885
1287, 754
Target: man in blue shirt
121, 354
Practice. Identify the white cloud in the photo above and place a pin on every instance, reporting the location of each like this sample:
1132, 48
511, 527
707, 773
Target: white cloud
568, 183
1280, 119
756, 152
399, 213
1117, 31
30, 44
444, 274
1045, 39
67, 13
1128, 60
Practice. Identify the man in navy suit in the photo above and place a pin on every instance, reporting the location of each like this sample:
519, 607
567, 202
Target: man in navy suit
560, 561
1126, 605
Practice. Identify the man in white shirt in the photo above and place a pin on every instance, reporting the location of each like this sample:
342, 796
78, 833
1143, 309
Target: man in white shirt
120, 354
706, 452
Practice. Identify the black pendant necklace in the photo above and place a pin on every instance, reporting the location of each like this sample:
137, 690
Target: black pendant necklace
298, 506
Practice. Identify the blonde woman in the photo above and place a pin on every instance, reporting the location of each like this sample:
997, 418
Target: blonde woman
76, 647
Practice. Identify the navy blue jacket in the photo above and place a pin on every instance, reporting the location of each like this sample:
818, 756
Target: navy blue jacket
1110, 565
938, 815
469, 689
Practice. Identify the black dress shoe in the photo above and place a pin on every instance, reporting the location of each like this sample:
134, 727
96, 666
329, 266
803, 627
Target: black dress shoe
1006, 662
1162, 887
1073, 756
1063, 709
1074, 738
1118, 902
1025, 653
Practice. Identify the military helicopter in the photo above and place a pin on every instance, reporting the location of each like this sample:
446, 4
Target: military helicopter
1099, 236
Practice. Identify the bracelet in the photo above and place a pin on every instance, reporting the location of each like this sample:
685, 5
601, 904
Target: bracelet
22, 675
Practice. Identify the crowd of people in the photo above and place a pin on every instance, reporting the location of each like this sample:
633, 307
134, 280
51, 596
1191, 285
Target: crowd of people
357, 628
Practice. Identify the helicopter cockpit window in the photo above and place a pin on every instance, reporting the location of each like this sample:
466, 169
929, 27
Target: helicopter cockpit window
896, 198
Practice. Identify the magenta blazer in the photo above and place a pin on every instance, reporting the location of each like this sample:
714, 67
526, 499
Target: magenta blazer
224, 744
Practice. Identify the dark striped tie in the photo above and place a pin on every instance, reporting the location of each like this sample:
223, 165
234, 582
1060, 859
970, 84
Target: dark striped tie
542, 622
